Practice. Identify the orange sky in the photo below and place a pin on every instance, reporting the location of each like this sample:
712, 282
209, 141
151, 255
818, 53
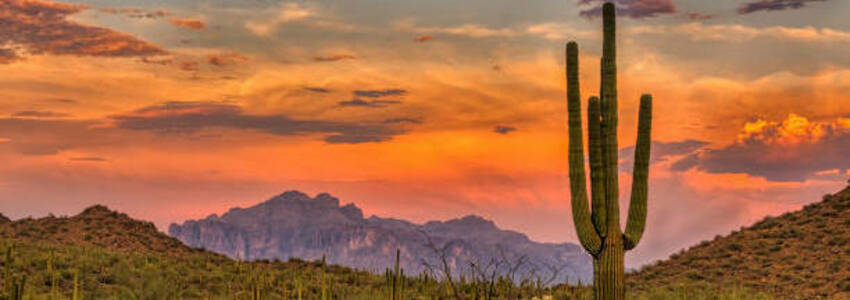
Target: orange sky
416, 110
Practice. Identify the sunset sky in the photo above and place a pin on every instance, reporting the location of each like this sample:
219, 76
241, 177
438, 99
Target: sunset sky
419, 109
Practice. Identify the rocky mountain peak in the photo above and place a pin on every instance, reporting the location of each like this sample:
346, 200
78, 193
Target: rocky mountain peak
4, 219
293, 224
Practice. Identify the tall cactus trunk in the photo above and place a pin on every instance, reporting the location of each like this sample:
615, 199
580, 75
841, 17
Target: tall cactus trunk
598, 226
611, 273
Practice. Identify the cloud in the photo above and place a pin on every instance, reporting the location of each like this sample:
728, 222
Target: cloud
556, 31
773, 5
794, 149
635, 9
660, 152
294, 12
698, 16
189, 65
469, 30
365, 103
135, 12
741, 33
8, 56
503, 130
423, 38
333, 57
225, 59
548, 30
39, 114
379, 93
317, 90
189, 117
189, 23
402, 120
42, 27
88, 159
152, 61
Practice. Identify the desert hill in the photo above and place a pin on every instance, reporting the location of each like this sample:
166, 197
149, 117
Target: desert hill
799, 255
107, 255
95, 226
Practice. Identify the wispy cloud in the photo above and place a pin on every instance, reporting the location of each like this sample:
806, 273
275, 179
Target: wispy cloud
367, 103
379, 93
189, 23
297, 12
334, 57
773, 5
40, 26
547, 30
225, 59
135, 12
188, 117
504, 130
39, 114
741, 33
631, 8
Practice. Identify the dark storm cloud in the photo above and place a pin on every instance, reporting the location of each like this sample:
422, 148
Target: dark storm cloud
635, 9
366, 103
776, 154
187, 117
379, 93
40, 27
660, 152
504, 129
772, 5
39, 114
777, 164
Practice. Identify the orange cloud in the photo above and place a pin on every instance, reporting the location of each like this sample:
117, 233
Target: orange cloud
225, 59
40, 26
189, 23
135, 12
792, 131
423, 38
794, 149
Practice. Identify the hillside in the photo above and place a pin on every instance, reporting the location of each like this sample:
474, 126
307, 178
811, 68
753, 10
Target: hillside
294, 225
95, 226
108, 255
802, 254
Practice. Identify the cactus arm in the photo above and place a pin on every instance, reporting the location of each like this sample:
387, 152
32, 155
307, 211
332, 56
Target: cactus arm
637, 206
587, 235
609, 119
597, 172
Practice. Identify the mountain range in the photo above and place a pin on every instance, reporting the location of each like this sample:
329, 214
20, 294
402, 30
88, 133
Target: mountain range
294, 225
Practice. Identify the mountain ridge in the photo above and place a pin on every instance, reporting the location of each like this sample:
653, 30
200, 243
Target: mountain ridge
294, 225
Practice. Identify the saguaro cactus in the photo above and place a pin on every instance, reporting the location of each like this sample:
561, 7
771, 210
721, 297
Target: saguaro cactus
598, 227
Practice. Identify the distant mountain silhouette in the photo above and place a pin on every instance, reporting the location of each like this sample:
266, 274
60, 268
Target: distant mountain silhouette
293, 225
798, 255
